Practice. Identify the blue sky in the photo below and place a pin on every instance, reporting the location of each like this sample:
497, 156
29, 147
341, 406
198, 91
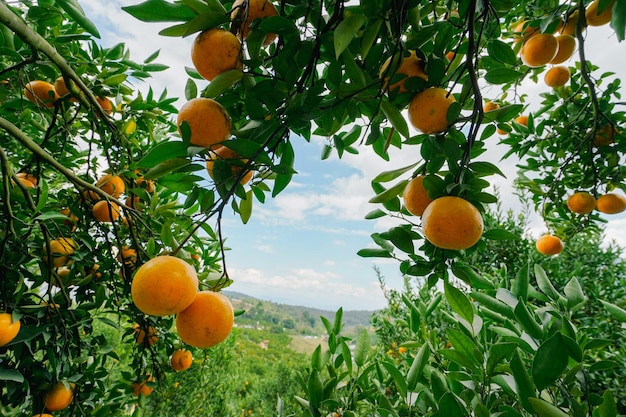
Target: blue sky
300, 248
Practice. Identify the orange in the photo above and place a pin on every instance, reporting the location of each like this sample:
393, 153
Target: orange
581, 202
523, 31
207, 321
257, 9
539, 49
127, 256
106, 211
605, 135
93, 271
549, 245
41, 93
571, 22
71, 218
164, 285
61, 249
43, 415
208, 121
428, 110
233, 158
594, 18
106, 104
62, 90
415, 196
8, 328
28, 177
557, 76
141, 182
140, 335
24, 182
523, 120
142, 388
215, 51
59, 397
452, 223
411, 66
135, 202
63, 277
565, 49
113, 185
181, 360
490, 106
611, 203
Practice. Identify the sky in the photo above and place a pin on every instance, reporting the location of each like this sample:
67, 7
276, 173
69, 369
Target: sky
300, 248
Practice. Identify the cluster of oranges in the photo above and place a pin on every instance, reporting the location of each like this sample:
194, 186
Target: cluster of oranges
214, 52
167, 285
448, 222
45, 94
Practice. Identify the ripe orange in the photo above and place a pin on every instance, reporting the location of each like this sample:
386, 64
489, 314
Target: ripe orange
24, 182
452, 223
142, 388
539, 49
611, 203
71, 218
62, 278
411, 66
43, 415
557, 76
565, 49
59, 397
523, 120
8, 328
415, 196
62, 90
27, 177
127, 256
605, 135
215, 51
208, 121
569, 27
106, 211
141, 182
140, 335
233, 158
106, 104
181, 360
549, 245
135, 202
207, 321
581, 202
164, 285
598, 19
428, 110
41, 93
60, 249
490, 106
523, 31
257, 9
113, 185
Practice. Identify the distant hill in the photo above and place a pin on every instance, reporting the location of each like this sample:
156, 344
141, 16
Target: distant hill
292, 319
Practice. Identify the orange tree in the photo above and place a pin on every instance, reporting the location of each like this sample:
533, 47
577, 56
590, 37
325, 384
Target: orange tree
77, 135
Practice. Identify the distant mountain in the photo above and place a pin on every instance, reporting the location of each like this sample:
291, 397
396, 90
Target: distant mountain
290, 318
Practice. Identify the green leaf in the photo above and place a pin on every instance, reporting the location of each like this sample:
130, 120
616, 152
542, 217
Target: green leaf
459, 302
608, 408
362, 347
544, 284
160, 11
497, 353
493, 303
550, 361
502, 52
374, 253
524, 386
346, 31
462, 343
396, 118
603, 365
500, 234
163, 152
528, 322
521, 283
545, 409
369, 37
501, 75
191, 89
375, 214
398, 379
387, 176
574, 293
389, 193
76, 12
486, 168
245, 207
166, 167
415, 371
471, 277
222, 82
449, 406
618, 21
617, 312
401, 239
11, 375
315, 388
